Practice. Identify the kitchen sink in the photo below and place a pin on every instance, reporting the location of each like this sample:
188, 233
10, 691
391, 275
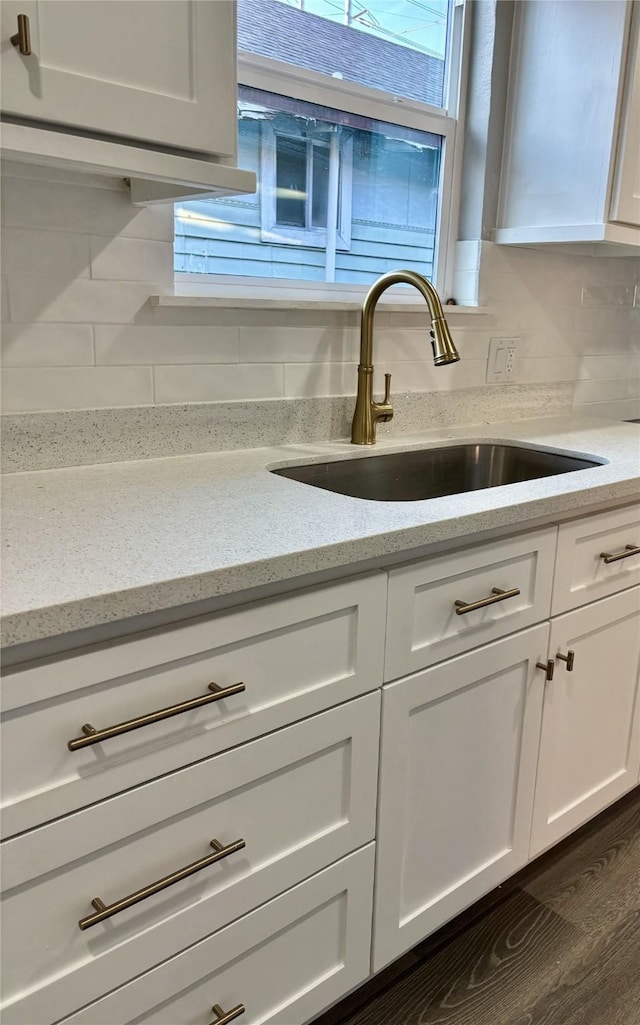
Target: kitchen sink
434, 472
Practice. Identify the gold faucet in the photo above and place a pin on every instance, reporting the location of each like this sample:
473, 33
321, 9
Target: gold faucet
367, 411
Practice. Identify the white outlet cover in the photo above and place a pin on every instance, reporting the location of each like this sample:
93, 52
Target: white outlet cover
501, 364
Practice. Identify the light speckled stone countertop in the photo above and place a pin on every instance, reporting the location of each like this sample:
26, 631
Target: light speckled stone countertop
92, 545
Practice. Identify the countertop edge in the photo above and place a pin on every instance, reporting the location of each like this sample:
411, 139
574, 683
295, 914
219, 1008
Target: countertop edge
48, 622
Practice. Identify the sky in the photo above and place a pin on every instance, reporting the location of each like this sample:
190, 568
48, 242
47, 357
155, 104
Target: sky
419, 24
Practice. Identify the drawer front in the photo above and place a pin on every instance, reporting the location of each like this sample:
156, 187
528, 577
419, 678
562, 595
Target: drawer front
284, 963
299, 799
295, 656
424, 623
582, 572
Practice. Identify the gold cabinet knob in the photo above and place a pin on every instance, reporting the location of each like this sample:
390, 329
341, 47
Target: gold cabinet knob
548, 667
568, 658
22, 38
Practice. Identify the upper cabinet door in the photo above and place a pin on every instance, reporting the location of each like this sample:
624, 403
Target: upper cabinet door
625, 206
163, 71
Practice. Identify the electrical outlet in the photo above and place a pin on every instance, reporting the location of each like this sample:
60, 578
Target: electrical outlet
501, 365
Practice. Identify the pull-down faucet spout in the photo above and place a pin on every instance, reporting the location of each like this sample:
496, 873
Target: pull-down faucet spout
367, 411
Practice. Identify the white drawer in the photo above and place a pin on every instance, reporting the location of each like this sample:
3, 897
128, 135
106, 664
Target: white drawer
295, 655
424, 624
285, 962
300, 799
582, 574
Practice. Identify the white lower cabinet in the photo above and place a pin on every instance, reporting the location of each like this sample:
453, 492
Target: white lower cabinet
285, 806
487, 757
457, 776
590, 742
283, 963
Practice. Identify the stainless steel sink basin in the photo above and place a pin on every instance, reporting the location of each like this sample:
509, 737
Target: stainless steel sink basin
432, 473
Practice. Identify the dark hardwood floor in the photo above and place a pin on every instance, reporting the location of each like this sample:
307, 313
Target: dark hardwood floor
557, 945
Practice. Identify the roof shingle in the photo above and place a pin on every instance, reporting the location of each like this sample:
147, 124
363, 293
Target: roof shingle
285, 33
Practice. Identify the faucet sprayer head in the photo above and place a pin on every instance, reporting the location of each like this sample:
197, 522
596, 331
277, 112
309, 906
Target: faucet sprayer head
444, 351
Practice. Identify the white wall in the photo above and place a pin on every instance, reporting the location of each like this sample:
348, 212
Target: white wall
79, 263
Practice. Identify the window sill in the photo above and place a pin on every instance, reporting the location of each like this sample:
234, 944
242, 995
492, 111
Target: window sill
230, 298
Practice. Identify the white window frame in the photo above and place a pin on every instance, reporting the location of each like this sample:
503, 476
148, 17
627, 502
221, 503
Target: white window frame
284, 79
278, 234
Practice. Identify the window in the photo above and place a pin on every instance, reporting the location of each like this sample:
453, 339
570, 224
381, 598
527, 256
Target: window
306, 176
348, 115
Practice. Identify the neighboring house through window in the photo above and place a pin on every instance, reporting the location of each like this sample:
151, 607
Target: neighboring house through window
347, 114
306, 176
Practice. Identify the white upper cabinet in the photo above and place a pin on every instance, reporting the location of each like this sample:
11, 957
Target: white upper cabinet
625, 205
162, 71
137, 89
571, 162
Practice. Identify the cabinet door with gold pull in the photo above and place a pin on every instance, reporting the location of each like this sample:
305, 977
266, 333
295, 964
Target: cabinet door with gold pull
163, 71
138, 874
590, 740
457, 776
285, 962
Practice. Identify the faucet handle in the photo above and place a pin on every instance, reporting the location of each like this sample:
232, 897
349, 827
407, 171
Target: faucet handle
384, 411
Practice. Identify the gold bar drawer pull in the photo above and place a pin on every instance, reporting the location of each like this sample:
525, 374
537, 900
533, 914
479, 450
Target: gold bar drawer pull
93, 736
104, 911
497, 594
629, 550
224, 1019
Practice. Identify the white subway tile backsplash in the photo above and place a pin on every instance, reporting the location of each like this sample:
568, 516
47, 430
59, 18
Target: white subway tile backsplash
4, 299
215, 383
414, 345
56, 300
47, 345
611, 367
609, 322
608, 294
550, 343
307, 380
549, 368
424, 376
49, 173
471, 344
31, 251
468, 255
605, 391
75, 387
599, 344
321, 344
397, 344
131, 259
66, 207
150, 344
79, 262
465, 287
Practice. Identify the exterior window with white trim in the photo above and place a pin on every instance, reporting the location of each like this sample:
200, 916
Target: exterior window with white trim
306, 176
348, 113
